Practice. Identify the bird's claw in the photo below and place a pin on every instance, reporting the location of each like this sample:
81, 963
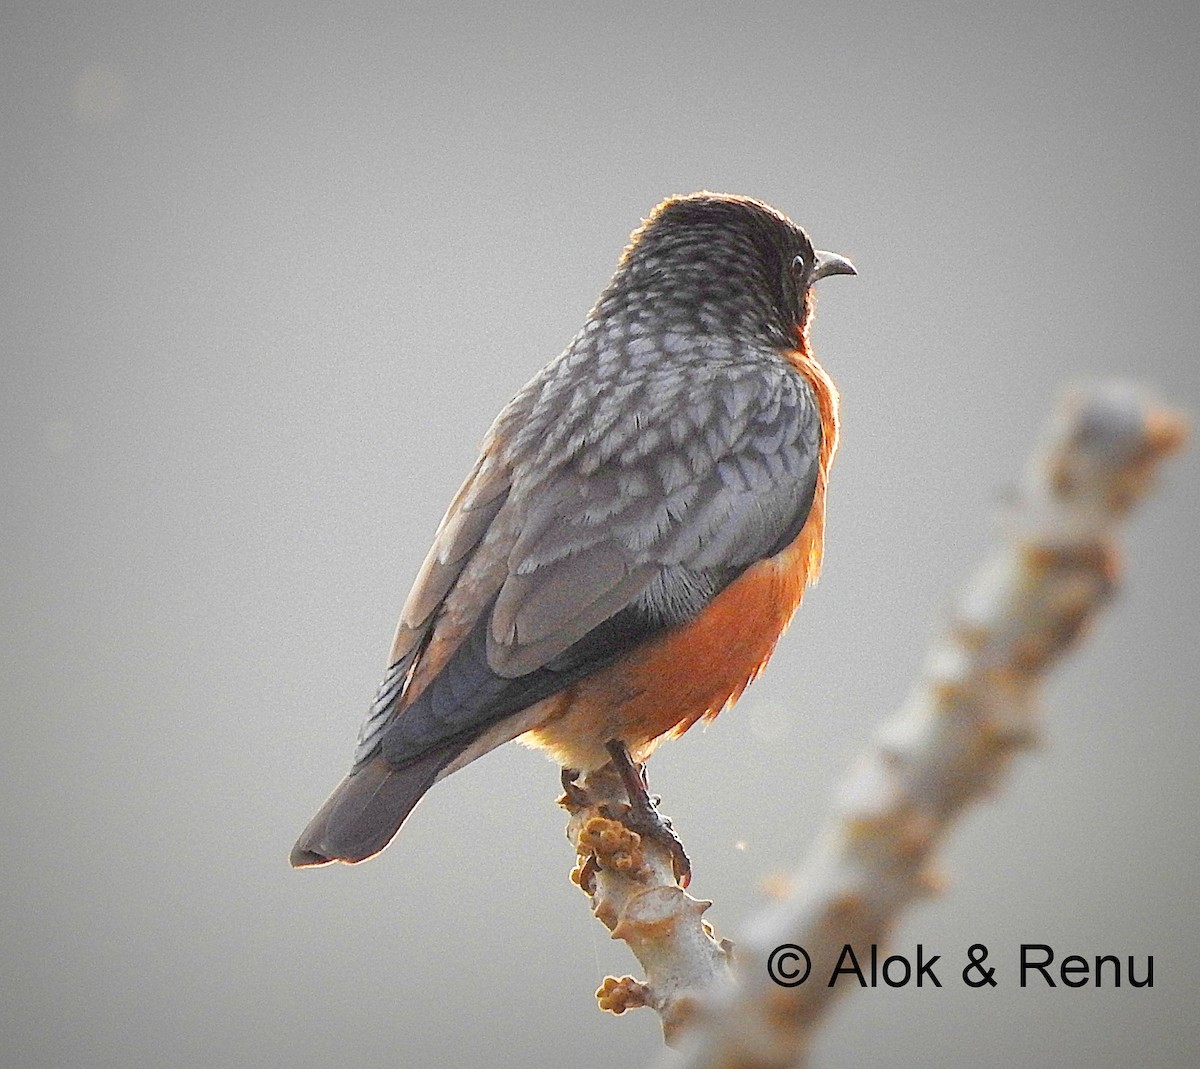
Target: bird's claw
574, 796
644, 817
648, 821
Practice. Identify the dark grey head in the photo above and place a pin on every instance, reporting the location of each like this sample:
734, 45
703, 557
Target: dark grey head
711, 263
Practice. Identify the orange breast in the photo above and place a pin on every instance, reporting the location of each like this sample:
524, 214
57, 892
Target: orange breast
693, 672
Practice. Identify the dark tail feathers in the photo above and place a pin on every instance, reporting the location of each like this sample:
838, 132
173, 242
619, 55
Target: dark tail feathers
367, 808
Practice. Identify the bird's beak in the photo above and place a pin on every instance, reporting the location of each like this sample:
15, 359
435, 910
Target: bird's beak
830, 263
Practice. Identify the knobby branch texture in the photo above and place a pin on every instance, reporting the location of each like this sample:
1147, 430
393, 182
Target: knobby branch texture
974, 708
631, 881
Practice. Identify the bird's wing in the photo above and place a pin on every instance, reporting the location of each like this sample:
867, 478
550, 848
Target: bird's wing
578, 537
462, 531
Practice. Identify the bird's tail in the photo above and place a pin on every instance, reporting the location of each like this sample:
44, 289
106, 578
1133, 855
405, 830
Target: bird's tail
367, 808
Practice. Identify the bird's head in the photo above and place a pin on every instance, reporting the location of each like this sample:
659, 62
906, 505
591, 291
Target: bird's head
714, 263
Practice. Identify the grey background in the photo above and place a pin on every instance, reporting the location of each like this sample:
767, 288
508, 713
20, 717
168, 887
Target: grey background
267, 274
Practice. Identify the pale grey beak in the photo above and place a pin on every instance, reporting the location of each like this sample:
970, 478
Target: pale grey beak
830, 263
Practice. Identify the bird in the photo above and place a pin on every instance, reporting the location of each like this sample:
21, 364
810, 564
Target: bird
634, 538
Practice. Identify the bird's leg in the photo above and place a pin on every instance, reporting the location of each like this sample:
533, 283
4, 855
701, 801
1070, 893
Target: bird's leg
644, 816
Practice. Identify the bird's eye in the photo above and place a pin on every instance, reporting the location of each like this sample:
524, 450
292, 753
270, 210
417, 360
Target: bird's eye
803, 261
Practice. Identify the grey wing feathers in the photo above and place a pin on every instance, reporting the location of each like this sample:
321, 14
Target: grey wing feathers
716, 474
594, 520
462, 528
382, 706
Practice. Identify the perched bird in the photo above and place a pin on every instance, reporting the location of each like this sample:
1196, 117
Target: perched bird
638, 530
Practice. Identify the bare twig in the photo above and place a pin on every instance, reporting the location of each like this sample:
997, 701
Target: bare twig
975, 707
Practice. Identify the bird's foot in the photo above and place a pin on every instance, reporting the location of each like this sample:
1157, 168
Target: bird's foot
644, 817
650, 822
574, 796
